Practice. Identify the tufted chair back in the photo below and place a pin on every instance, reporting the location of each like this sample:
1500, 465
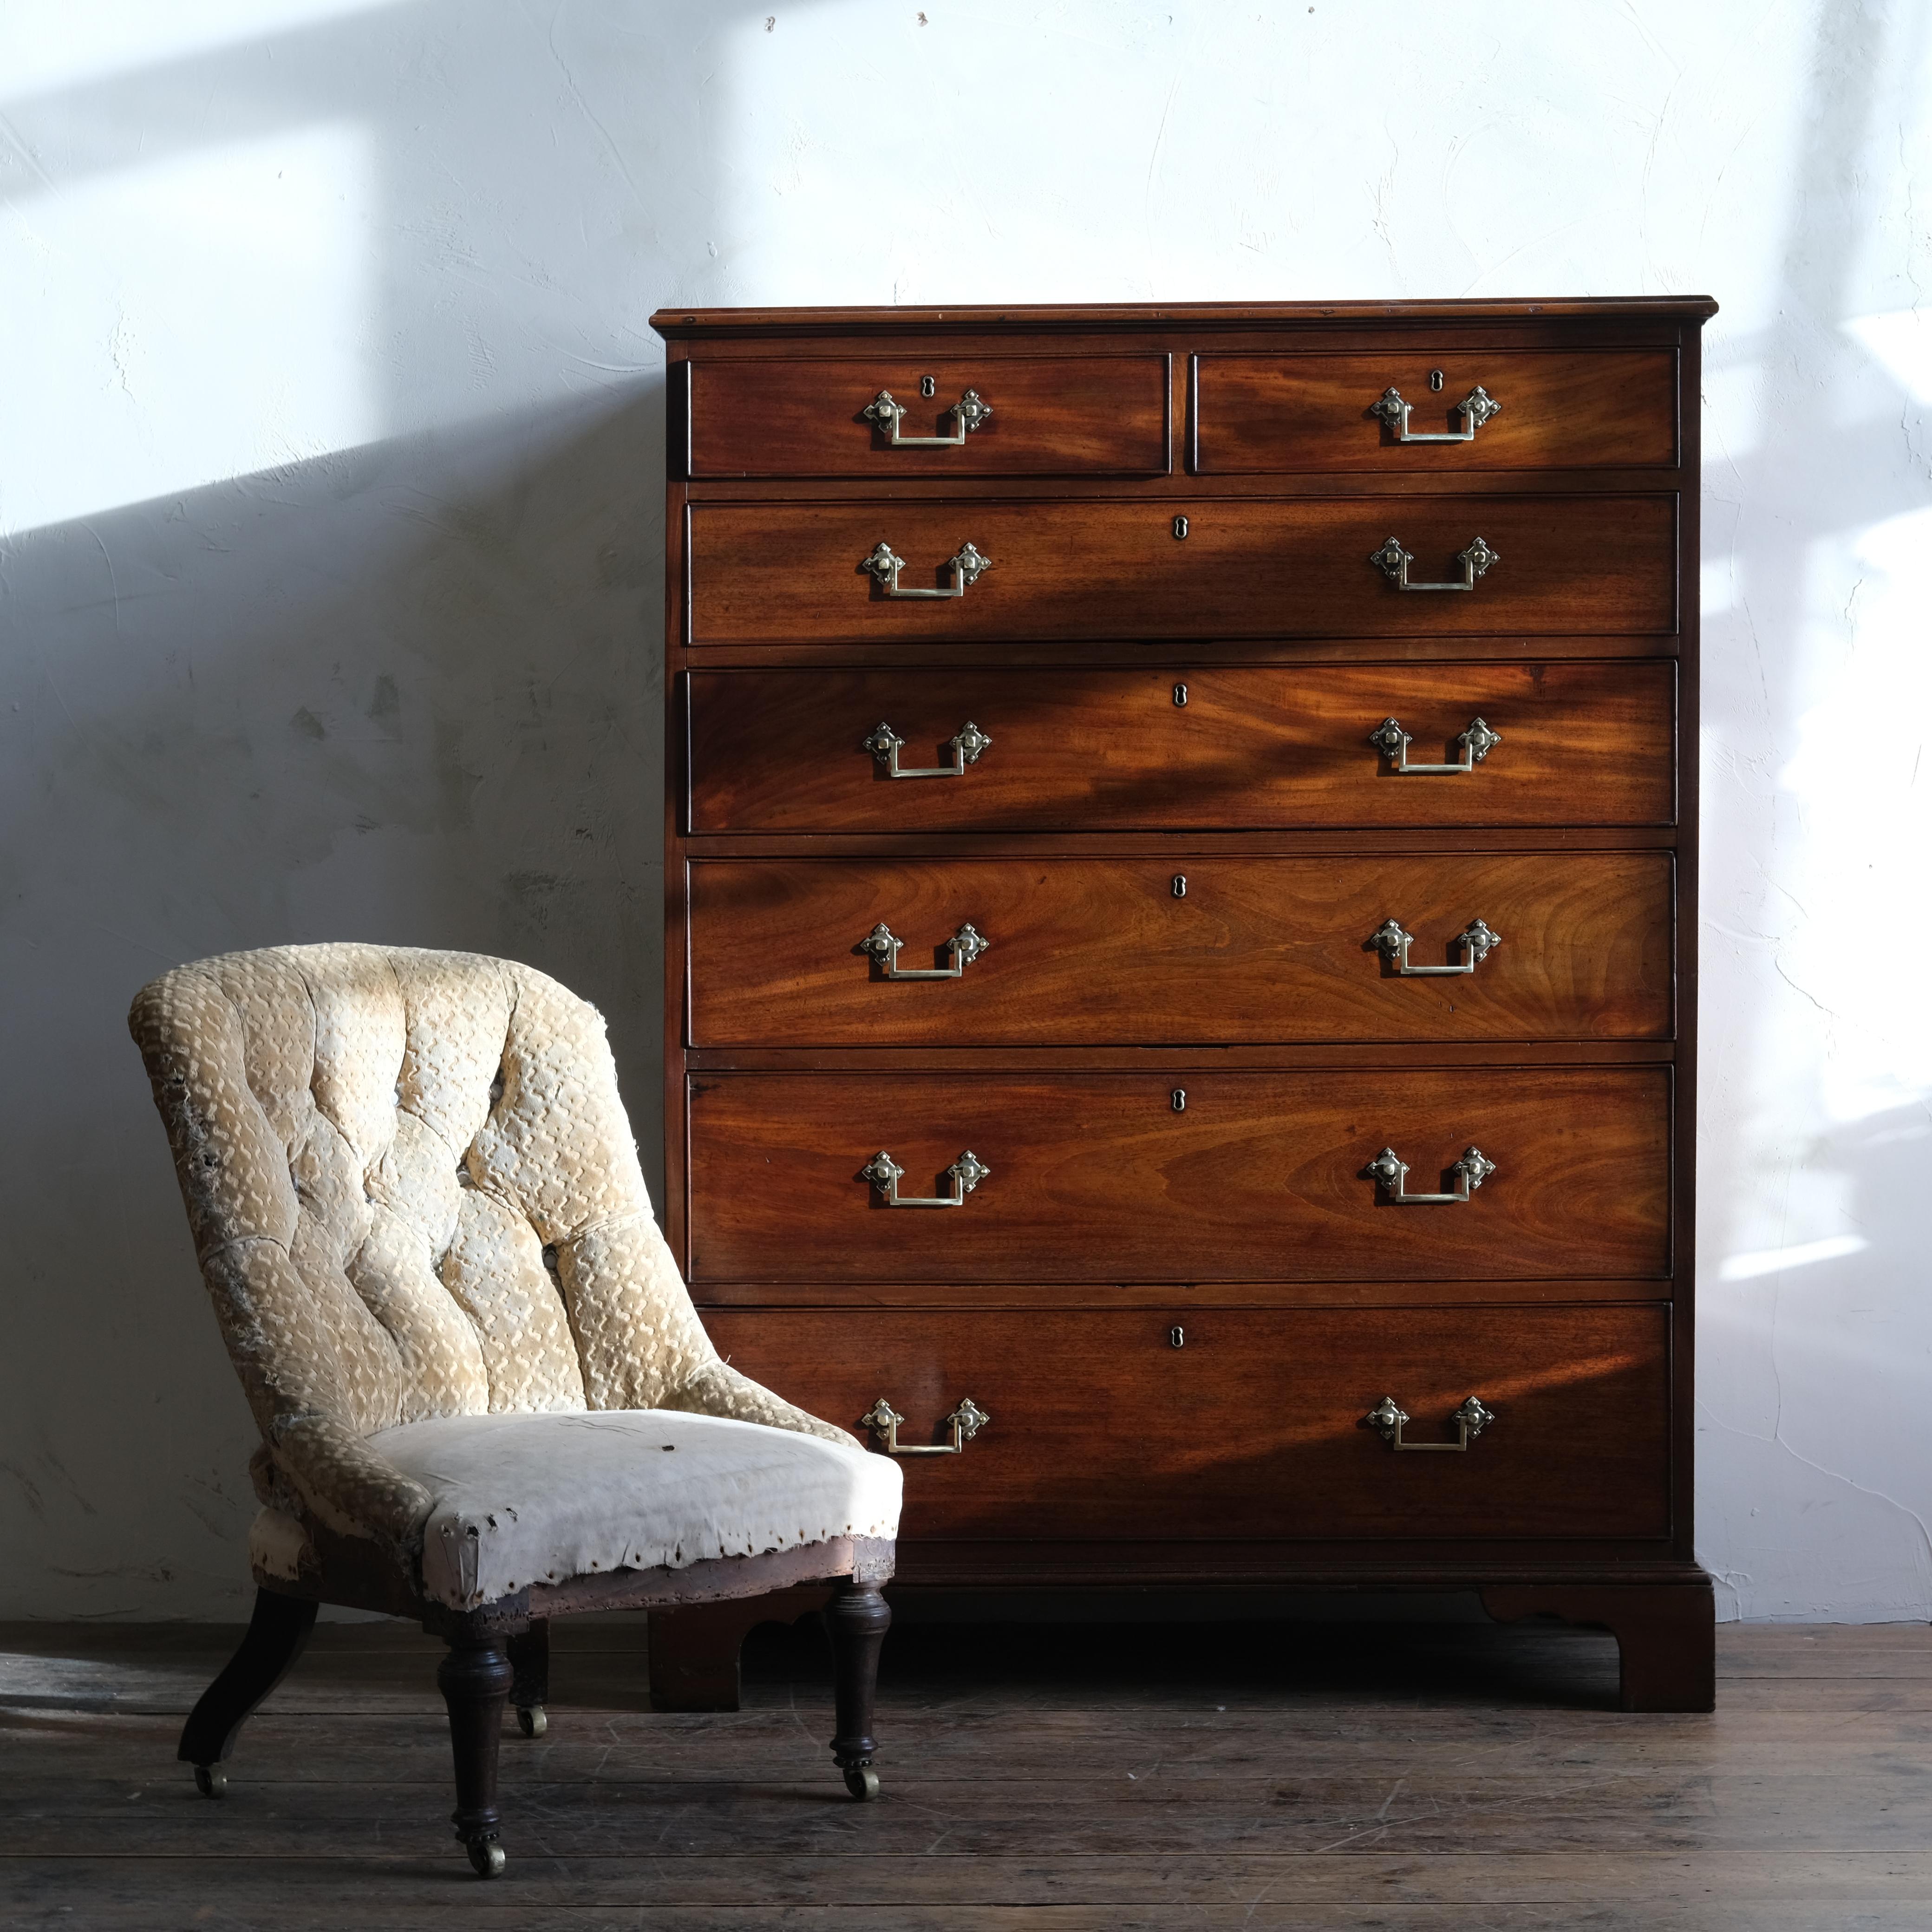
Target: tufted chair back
414, 1193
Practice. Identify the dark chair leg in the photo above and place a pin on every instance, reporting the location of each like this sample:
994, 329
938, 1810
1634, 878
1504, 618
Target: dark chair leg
857, 1618
529, 1666
276, 1632
475, 1680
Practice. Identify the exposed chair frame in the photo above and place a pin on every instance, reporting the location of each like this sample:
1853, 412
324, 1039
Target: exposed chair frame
499, 1656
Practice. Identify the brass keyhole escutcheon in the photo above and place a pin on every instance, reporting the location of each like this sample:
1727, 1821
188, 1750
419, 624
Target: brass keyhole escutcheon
1181, 695
1176, 1336
1434, 379
1181, 885
1179, 1099
929, 384
1180, 528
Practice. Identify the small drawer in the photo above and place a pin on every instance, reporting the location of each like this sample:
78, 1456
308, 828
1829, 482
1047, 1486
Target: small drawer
1246, 1177
1097, 1425
891, 416
1179, 749
941, 571
1466, 409
1105, 952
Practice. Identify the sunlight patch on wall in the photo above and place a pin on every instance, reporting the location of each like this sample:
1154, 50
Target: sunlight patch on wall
1862, 780
1901, 343
171, 326
1775, 1260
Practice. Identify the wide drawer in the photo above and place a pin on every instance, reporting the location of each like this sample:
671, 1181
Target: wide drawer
1559, 409
1256, 567
1099, 1426
1582, 743
1037, 416
1098, 952
1245, 1176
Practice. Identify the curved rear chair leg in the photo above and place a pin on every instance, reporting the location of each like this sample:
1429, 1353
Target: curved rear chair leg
277, 1633
857, 1618
475, 1679
529, 1665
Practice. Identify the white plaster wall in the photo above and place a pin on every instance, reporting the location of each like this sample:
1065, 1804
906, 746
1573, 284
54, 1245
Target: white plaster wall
329, 589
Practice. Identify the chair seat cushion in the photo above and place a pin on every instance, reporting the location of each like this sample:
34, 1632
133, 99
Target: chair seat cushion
523, 1499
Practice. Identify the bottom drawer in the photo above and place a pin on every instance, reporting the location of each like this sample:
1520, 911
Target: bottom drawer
1100, 1427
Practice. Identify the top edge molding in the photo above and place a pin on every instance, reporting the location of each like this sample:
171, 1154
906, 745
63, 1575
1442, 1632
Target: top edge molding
679, 324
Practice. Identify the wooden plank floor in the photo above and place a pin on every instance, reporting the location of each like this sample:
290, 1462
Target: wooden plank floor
1060, 1779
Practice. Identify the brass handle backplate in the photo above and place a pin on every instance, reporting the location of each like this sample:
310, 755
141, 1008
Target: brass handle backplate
966, 1422
1393, 561
1471, 1419
1474, 1168
1476, 941
967, 414
1478, 740
968, 742
965, 946
884, 1172
1475, 408
883, 565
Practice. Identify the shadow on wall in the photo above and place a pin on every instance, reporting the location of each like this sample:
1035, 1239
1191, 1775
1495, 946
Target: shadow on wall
409, 693
407, 689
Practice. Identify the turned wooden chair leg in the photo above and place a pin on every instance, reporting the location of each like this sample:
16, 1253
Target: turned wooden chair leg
277, 1633
529, 1666
857, 1618
475, 1679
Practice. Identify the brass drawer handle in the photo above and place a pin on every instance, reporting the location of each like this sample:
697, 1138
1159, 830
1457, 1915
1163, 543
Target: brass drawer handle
1393, 742
1471, 1419
1389, 1172
966, 1422
1476, 941
884, 1172
969, 412
1475, 408
1393, 561
965, 947
968, 742
966, 564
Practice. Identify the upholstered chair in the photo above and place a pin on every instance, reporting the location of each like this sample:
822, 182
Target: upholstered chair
484, 1398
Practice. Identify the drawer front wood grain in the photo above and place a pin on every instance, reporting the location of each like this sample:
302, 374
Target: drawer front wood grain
1583, 743
1052, 416
1095, 1177
1602, 409
1575, 565
1101, 1428
1104, 952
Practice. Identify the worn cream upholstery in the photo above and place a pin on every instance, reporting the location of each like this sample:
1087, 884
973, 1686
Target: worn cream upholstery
415, 1199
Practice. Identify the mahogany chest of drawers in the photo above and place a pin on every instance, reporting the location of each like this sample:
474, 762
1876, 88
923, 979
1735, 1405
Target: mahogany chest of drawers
1181, 869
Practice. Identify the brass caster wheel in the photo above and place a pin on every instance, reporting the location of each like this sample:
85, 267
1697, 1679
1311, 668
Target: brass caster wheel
862, 1781
486, 1858
211, 1780
531, 1721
